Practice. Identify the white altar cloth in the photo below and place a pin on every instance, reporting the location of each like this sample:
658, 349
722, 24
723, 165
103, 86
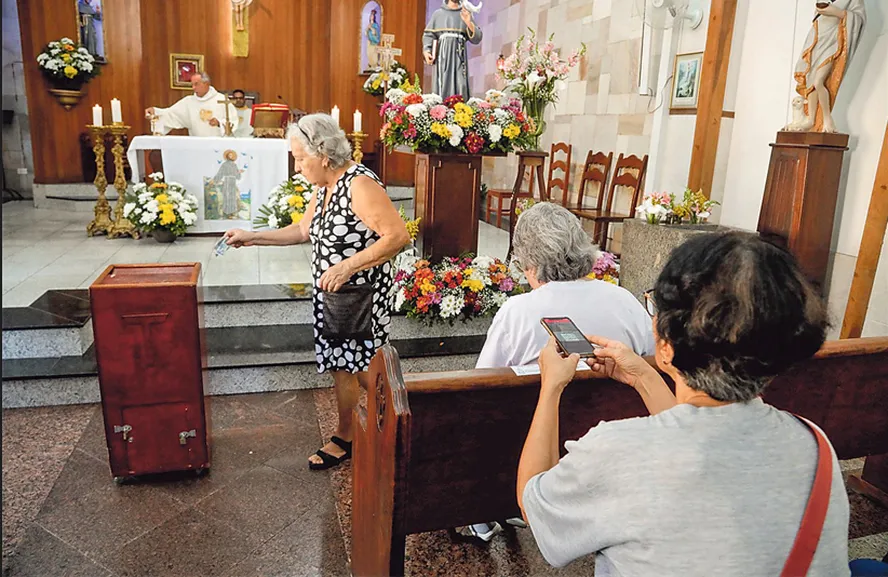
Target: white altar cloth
213, 169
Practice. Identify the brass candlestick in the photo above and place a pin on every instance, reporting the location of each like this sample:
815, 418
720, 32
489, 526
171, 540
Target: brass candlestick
357, 140
101, 224
122, 226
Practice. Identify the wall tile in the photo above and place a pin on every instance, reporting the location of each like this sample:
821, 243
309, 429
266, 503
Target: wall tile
601, 9
631, 125
576, 97
603, 93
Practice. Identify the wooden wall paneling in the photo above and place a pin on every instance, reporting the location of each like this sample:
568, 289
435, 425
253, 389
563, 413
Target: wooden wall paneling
713, 77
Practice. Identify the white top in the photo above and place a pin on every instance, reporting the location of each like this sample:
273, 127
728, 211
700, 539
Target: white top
598, 308
194, 113
689, 492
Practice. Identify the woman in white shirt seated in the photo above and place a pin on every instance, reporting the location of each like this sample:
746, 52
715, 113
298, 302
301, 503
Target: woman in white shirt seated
556, 255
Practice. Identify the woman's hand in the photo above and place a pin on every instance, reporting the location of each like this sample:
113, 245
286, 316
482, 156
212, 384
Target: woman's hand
831, 10
336, 276
556, 371
618, 362
238, 238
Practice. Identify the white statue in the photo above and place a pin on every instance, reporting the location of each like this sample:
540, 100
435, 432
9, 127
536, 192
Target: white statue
829, 47
239, 6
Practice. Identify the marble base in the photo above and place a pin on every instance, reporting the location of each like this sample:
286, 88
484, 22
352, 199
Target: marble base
646, 248
249, 314
40, 343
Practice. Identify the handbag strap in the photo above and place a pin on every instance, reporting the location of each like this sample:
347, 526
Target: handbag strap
808, 537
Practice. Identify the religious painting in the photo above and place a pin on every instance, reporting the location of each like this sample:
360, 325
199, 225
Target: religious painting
686, 80
91, 27
371, 37
182, 68
225, 197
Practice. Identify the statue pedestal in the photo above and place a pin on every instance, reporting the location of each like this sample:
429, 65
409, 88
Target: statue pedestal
799, 205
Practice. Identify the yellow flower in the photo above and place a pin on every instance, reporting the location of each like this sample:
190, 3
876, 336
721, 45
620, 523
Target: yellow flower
462, 107
296, 217
161, 198
440, 129
375, 84
66, 57
427, 287
69, 48
159, 185
164, 206
70, 71
511, 131
406, 86
167, 217
463, 119
473, 285
413, 228
299, 188
296, 201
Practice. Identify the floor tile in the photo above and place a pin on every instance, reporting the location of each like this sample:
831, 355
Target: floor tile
870, 547
41, 554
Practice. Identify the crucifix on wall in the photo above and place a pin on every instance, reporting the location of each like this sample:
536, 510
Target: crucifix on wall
240, 22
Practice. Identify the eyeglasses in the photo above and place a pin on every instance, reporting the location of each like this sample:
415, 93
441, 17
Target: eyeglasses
649, 303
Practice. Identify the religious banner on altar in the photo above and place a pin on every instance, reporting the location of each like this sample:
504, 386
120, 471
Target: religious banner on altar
231, 178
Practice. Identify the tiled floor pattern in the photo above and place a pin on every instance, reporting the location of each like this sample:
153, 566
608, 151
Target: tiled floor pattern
49, 249
260, 511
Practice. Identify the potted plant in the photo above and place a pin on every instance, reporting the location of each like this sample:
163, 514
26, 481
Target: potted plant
536, 73
164, 209
67, 67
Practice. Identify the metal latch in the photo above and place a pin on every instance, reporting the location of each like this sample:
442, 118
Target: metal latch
125, 429
183, 436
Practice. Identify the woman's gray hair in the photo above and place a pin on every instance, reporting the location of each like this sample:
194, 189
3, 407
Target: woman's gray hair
551, 241
321, 136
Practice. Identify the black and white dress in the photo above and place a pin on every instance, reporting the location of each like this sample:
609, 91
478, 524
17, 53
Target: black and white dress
336, 233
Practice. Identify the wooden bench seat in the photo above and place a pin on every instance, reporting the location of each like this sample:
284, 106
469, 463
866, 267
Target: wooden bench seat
440, 450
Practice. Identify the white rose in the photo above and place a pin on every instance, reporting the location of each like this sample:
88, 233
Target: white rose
148, 217
273, 221
152, 205
128, 209
156, 176
415, 110
431, 99
495, 132
456, 134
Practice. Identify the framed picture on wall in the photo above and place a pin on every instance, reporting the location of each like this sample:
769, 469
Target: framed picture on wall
686, 80
182, 68
91, 27
370, 37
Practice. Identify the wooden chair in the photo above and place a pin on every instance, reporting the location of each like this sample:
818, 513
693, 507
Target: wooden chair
596, 170
440, 450
629, 172
502, 195
562, 164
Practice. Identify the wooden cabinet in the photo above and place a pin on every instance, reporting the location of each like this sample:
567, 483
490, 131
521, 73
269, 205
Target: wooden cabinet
150, 355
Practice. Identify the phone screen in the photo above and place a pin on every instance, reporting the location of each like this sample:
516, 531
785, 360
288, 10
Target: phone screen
568, 336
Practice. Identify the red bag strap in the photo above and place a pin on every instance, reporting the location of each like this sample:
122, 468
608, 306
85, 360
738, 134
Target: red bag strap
808, 537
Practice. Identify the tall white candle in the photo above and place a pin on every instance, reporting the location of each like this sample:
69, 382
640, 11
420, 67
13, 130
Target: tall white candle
357, 121
335, 113
116, 114
97, 116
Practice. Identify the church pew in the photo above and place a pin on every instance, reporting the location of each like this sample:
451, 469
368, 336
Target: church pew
440, 450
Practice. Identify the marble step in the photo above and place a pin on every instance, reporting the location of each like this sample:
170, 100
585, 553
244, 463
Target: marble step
239, 360
58, 323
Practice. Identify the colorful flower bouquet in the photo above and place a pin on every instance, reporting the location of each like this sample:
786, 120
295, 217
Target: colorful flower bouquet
427, 123
466, 286
536, 73
661, 207
397, 77
286, 203
161, 206
66, 65
606, 268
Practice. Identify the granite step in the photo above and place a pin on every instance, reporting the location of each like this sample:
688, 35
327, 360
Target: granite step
239, 360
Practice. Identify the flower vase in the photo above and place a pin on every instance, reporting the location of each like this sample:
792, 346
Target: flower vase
653, 219
163, 236
536, 109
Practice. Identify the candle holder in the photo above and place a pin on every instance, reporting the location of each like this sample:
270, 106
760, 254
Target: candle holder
122, 226
101, 224
357, 140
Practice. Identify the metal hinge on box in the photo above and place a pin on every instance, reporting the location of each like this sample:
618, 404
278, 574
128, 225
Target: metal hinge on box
125, 429
183, 436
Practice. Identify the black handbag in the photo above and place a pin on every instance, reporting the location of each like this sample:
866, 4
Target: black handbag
348, 313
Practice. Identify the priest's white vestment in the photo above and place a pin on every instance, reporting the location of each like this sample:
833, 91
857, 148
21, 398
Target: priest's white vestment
194, 113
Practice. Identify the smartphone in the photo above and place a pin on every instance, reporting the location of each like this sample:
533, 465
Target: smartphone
569, 338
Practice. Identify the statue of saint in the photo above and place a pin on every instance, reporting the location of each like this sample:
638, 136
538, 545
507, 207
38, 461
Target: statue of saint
444, 46
830, 45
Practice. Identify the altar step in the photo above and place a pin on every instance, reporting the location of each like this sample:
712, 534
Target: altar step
239, 360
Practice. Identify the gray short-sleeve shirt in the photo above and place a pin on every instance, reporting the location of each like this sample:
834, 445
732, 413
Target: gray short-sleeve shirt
689, 492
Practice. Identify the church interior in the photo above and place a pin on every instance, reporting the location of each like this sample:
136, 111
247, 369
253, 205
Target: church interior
177, 174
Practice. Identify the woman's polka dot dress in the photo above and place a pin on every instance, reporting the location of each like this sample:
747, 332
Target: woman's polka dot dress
336, 234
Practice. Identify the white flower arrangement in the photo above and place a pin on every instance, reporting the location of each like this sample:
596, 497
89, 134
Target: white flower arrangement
166, 206
65, 63
286, 204
396, 76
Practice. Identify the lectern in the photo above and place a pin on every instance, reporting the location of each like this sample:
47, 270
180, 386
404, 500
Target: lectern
150, 355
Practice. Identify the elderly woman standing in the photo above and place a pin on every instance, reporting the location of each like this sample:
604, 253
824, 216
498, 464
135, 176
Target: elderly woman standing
714, 481
354, 231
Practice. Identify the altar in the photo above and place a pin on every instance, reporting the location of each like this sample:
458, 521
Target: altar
204, 166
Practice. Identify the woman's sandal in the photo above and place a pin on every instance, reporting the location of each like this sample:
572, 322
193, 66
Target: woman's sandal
328, 460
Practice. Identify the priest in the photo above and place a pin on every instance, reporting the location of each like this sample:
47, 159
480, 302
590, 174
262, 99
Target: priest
201, 113
244, 114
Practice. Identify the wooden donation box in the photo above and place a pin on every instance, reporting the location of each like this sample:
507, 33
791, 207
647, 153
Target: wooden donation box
799, 205
146, 320
448, 189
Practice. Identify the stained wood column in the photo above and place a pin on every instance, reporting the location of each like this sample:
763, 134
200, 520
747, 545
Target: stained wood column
870, 250
713, 78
